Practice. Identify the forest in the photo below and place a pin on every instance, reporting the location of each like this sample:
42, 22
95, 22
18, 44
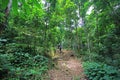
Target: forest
59, 39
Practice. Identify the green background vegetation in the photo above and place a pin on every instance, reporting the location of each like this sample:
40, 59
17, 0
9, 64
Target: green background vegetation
30, 31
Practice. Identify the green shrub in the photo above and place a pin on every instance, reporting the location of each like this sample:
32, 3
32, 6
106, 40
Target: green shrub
25, 48
109, 46
19, 66
32, 67
91, 56
95, 71
21, 61
2, 45
5, 65
9, 33
19, 58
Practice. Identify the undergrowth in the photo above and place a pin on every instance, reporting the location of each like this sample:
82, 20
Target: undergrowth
99, 71
22, 62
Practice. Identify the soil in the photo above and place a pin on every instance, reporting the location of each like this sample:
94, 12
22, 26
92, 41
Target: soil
68, 67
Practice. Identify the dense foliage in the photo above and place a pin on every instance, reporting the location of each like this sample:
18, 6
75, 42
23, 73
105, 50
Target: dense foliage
97, 71
30, 31
21, 61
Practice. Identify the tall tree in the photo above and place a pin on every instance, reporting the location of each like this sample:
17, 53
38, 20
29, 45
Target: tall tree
6, 10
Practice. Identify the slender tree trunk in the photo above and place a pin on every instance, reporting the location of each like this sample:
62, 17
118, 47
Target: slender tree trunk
77, 38
88, 43
4, 24
80, 40
7, 10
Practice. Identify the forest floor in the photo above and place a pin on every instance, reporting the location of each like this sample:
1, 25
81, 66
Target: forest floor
67, 67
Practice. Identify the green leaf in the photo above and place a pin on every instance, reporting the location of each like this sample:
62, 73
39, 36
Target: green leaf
36, 2
26, 7
4, 4
15, 6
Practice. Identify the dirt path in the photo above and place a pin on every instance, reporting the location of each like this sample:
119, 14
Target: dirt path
68, 68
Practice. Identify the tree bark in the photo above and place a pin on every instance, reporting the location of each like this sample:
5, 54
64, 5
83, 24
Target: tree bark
4, 24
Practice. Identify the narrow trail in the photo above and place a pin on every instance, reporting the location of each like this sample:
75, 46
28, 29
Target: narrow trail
68, 68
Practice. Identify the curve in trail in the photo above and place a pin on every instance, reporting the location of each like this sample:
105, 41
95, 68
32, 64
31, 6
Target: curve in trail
68, 68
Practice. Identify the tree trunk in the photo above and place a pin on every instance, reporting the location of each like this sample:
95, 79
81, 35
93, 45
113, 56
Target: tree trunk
4, 24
